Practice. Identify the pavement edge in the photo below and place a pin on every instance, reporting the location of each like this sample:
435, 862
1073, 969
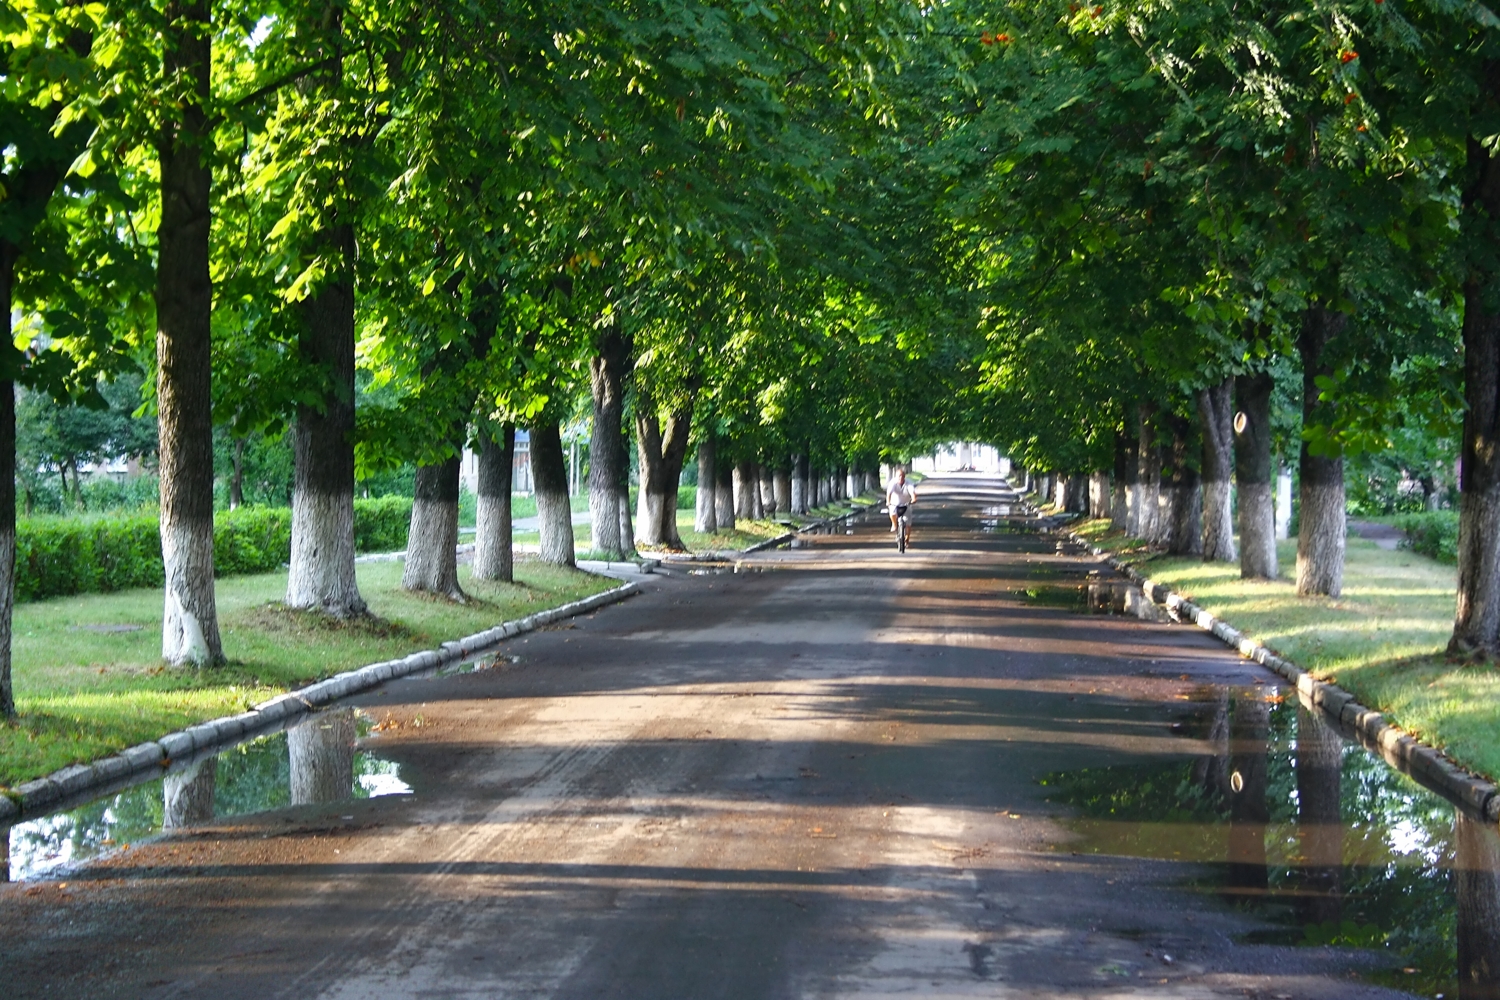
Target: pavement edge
85, 781
1426, 763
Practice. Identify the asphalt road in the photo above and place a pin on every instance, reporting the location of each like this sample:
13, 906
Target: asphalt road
816, 777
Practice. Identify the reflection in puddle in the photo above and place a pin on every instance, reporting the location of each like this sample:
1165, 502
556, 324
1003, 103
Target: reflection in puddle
1313, 834
316, 761
1097, 595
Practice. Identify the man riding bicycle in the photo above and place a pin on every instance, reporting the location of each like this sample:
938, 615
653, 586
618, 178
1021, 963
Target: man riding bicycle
900, 495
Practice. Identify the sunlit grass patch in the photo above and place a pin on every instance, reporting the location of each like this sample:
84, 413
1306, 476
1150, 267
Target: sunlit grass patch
1382, 639
86, 686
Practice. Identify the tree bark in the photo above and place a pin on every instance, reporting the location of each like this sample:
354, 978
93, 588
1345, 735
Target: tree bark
799, 484
781, 486
662, 448
554, 506
321, 753
8, 255
744, 486
1476, 886
1476, 622
494, 551
724, 495
432, 540
188, 795
1148, 475
1252, 472
1320, 828
608, 460
184, 360
1182, 520
706, 514
1249, 811
1320, 536
1216, 415
767, 495
321, 573
1126, 471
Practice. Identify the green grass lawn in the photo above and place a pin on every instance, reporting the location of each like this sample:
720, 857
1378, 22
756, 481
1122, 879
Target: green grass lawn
83, 693
1382, 640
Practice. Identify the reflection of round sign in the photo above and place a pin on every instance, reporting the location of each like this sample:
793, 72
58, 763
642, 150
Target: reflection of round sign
1241, 422
1237, 782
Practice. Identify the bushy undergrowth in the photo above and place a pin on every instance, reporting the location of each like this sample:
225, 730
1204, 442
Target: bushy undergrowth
1432, 533
59, 556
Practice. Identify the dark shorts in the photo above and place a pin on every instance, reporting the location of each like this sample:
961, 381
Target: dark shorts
902, 509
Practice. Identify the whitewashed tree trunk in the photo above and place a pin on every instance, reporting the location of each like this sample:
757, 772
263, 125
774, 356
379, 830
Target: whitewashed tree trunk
432, 541
494, 555
724, 495
781, 482
554, 508
609, 463
662, 448
757, 509
767, 491
188, 795
1216, 414
1252, 469
1321, 527
627, 529
799, 484
321, 752
705, 514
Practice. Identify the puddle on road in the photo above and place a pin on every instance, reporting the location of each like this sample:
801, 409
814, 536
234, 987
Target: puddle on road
1311, 833
316, 761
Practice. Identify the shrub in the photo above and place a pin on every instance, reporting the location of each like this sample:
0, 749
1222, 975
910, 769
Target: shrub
75, 555
381, 523
687, 497
1433, 534
252, 540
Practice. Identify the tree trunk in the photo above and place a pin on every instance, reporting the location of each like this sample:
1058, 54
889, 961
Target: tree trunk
1078, 494
188, 795
781, 487
321, 754
1320, 827
1249, 811
237, 481
1216, 414
1476, 623
1099, 494
1252, 472
1476, 886
767, 491
184, 357
432, 540
554, 508
1148, 475
1126, 471
608, 460
1185, 529
706, 514
627, 528
744, 485
724, 495
662, 449
494, 552
321, 576
8, 257
799, 484
1320, 537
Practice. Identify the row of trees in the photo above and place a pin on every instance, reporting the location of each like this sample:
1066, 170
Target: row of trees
1208, 234
396, 230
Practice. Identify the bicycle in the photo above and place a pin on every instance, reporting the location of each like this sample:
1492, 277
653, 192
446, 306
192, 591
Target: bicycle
903, 527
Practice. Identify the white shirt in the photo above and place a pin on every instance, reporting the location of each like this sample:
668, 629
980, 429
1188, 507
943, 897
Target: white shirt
900, 494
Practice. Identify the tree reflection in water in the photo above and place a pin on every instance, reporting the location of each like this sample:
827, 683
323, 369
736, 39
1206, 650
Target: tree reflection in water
321, 751
1322, 840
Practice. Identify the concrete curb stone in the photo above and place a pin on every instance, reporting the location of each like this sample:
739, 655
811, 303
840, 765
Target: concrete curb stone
77, 781
1427, 763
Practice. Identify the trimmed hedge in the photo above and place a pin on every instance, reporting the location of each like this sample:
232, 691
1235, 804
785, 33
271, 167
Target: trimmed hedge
1433, 534
381, 523
58, 556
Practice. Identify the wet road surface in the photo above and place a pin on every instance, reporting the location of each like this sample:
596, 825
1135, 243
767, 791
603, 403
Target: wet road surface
839, 772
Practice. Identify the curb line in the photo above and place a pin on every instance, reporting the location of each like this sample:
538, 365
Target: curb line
710, 555
87, 781
1427, 764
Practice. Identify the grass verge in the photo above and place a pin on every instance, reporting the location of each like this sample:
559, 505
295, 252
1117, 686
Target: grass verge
1382, 640
89, 679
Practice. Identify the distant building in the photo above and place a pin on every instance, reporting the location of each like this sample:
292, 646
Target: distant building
963, 456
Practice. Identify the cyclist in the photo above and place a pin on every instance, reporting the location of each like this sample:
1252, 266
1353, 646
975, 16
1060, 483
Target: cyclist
899, 495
